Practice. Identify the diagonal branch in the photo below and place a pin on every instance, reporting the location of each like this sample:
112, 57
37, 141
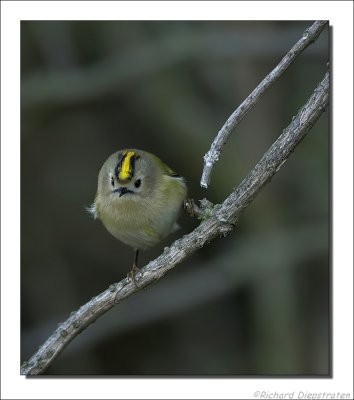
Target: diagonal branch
210, 158
223, 219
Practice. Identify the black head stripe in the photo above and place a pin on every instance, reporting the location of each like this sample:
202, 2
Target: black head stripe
119, 164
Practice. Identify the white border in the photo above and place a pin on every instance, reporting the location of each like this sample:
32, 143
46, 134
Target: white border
340, 14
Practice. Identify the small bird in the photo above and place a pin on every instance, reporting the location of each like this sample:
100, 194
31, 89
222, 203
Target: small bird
138, 199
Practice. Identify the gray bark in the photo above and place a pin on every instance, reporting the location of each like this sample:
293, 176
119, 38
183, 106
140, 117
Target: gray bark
211, 157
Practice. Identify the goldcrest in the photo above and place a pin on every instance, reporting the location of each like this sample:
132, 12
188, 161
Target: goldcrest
138, 199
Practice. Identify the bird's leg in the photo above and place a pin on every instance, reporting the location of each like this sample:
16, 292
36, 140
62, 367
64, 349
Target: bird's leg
135, 269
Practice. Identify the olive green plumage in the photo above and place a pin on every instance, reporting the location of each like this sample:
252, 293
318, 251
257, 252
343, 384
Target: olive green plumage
138, 198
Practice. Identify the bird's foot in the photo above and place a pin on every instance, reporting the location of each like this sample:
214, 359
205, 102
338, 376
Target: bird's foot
131, 276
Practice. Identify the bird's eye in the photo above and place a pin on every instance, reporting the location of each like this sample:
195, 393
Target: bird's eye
137, 183
112, 181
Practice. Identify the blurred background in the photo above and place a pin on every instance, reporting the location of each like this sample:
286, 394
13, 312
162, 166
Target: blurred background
254, 303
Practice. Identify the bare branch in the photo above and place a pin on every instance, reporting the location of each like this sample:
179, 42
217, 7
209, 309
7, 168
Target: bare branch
223, 219
309, 36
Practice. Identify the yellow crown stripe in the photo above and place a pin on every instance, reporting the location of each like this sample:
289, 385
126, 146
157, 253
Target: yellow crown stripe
126, 166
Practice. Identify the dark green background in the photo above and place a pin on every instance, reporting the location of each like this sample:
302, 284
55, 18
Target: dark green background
254, 303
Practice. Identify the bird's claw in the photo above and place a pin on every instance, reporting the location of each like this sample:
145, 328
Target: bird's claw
131, 276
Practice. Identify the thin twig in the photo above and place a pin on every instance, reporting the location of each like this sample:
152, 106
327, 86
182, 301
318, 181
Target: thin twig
211, 157
224, 218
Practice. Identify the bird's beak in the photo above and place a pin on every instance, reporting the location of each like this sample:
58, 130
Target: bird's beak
122, 190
